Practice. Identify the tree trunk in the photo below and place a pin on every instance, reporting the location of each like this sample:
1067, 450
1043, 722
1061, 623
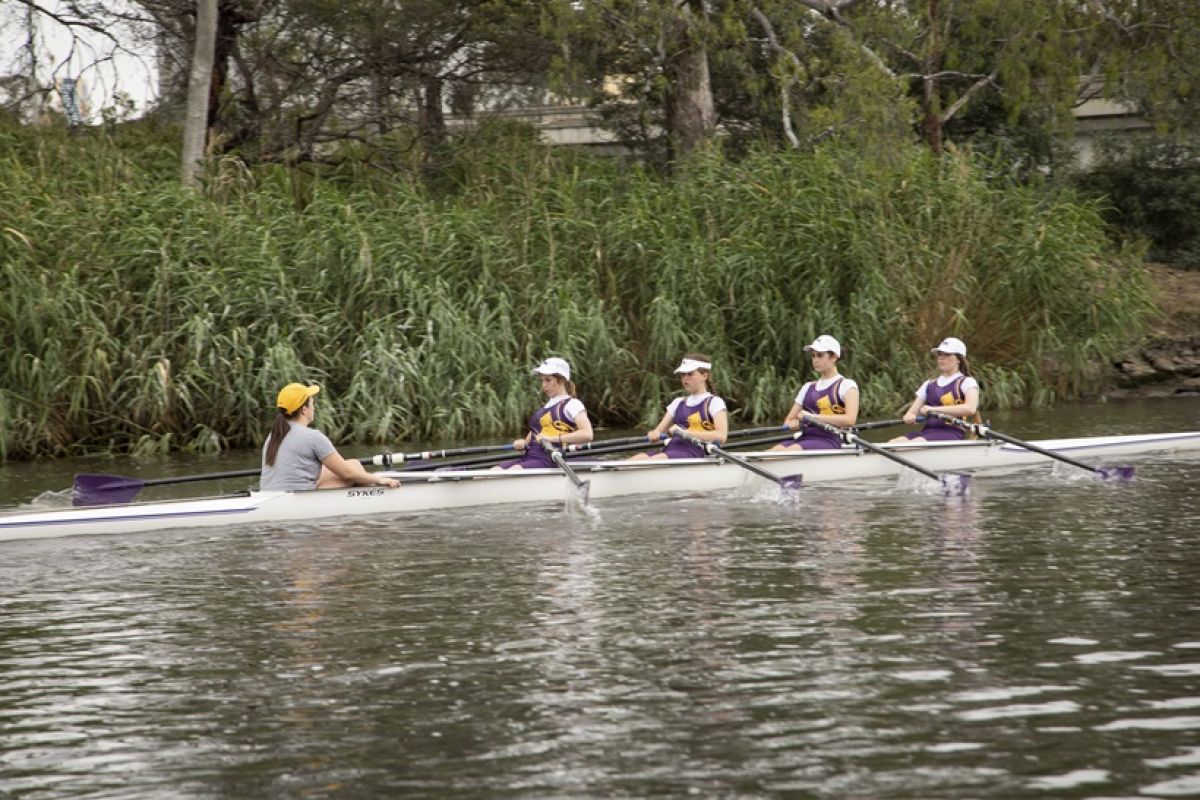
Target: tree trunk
931, 101
931, 115
195, 127
690, 114
431, 125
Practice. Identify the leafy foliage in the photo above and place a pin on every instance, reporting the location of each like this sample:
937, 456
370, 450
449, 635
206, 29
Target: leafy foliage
1152, 187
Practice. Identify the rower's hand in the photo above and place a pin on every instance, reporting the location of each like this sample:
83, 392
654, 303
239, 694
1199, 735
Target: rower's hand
675, 430
653, 436
518, 444
793, 424
910, 418
391, 483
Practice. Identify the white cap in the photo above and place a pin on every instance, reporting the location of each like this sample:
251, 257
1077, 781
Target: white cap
554, 366
825, 344
952, 346
691, 365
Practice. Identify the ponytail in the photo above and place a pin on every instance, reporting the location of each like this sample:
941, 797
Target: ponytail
279, 430
570, 385
963, 365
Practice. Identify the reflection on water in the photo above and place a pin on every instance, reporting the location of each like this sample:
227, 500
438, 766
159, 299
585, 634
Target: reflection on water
1035, 638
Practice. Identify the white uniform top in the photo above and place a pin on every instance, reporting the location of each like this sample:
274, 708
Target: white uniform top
942, 380
571, 410
823, 383
715, 407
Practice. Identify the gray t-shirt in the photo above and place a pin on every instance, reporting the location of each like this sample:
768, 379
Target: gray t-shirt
298, 462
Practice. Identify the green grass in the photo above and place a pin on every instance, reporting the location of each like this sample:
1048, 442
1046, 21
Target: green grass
142, 316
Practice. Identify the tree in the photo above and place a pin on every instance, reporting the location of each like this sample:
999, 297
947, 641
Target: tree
89, 36
644, 64
195, 126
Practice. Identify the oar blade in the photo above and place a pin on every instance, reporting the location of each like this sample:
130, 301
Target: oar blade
791, 482
101, 490
1115, 473
954, 484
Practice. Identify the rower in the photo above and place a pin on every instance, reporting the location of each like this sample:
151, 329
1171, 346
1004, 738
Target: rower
952, 391
296, 457
831, 397
701, 413
561, 420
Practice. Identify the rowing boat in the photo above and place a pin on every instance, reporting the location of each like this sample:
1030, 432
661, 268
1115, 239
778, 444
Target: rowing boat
452, 489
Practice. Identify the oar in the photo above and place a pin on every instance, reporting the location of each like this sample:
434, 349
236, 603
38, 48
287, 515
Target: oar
643, 440
1123, 473
640, 442
786, 482
93, 489
425, 455
615, 445
951, 483
883, 423
582, 486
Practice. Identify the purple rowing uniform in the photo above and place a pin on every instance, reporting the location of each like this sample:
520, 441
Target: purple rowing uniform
823, 402
938, 430
550, 420
690, 418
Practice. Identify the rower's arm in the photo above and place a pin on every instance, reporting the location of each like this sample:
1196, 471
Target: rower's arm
658, 430
581, 434
343, 472
914, 410
792, 420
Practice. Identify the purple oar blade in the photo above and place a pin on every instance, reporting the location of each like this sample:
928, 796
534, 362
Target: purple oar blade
791, 481
101, 490
955, 484
1115, 473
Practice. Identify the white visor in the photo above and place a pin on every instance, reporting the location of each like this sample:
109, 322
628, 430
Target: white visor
691, 365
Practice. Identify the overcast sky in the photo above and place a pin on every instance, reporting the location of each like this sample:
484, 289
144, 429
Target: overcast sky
107, 68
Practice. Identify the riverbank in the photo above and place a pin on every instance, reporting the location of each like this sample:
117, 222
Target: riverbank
1167, 361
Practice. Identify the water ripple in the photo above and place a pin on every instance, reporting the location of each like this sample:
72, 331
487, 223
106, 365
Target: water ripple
866, 642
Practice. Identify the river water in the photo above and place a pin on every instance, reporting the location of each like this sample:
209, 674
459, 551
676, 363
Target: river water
1037, 638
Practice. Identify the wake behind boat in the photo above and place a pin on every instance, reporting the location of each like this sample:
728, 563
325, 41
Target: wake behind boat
460, 488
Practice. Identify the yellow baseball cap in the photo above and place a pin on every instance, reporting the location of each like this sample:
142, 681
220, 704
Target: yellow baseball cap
293, 396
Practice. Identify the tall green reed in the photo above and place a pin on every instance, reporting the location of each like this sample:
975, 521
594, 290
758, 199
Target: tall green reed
140, 316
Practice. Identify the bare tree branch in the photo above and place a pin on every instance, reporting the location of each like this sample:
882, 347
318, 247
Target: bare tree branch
958, 104
785, 99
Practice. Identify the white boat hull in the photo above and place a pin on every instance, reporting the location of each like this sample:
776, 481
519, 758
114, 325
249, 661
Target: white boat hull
424, 491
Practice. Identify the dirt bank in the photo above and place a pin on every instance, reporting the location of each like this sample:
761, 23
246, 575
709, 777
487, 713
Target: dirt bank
1168, 361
